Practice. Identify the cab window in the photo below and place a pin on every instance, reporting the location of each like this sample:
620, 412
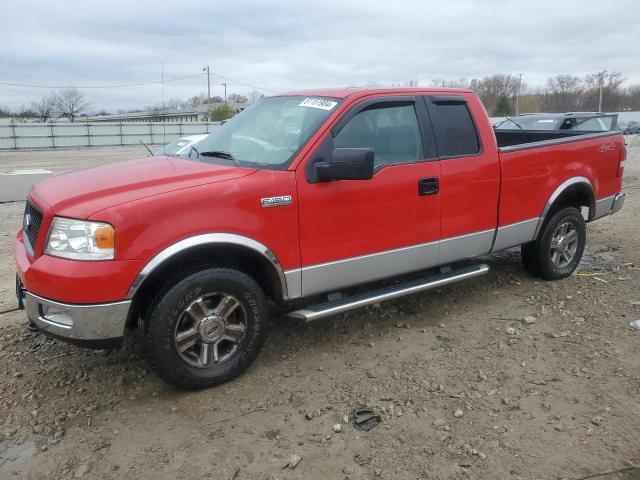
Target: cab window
392, 133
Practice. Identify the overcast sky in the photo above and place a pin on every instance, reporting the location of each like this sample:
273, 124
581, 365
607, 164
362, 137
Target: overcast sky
286, 45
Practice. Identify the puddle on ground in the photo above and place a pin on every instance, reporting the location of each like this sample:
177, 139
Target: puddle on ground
600, 261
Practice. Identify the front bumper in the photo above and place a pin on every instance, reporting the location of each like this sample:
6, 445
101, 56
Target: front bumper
88, 325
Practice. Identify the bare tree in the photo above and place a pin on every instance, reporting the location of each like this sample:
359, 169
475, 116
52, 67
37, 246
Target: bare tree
197, 100
173, 103
237, 98
254, 96
607, 83
45, 107
498, 87
71, 103
156, 112
22, 113
460, 83
632, 98
564, 93
201, 99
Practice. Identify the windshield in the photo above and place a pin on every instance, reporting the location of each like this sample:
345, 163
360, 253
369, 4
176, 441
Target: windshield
596, 124
268, 133
592, 123
530, 123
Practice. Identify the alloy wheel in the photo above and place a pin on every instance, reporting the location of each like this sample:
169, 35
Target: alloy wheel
564, 244
210, 330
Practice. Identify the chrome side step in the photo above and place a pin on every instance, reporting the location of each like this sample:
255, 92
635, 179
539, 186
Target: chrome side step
326, 309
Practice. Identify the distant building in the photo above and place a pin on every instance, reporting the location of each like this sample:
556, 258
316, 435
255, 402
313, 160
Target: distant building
180, 115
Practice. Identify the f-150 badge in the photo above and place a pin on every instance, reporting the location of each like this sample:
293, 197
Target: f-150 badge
280, 201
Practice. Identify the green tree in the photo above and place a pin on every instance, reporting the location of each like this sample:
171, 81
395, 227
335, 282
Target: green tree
223, 112
503, 107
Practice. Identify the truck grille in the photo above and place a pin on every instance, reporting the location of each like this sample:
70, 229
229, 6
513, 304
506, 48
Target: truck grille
31, 223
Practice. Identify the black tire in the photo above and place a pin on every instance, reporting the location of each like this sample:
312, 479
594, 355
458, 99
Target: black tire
168, 314
538, 257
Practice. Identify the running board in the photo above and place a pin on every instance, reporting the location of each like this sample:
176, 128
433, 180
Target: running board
326, 309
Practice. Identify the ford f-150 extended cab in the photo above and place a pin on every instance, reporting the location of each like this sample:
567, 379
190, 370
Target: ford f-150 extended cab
294, 202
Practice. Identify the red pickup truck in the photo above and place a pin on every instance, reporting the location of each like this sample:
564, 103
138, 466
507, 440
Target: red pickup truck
294, 202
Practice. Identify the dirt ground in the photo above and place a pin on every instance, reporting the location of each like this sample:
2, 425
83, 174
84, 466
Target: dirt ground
466, 388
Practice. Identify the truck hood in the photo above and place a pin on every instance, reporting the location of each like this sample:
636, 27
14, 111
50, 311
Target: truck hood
82, 193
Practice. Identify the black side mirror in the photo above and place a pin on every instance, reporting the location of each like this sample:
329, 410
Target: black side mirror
347, 164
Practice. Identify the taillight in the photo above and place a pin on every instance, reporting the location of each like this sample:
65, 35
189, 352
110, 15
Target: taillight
623, 157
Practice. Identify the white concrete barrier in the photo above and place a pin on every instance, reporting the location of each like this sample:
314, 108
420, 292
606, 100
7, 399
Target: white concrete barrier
15, 185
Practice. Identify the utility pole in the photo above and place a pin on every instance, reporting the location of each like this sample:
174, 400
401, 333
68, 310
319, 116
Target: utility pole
162, 82
600, 100
164, 113
225, 92
208, 90
518, 92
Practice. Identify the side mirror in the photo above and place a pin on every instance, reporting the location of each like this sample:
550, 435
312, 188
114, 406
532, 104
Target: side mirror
347, 164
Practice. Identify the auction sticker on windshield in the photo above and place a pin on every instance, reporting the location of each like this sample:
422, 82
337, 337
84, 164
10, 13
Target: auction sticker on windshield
318, 103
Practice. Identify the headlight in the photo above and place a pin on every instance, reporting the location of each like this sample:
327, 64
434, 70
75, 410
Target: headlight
80, 240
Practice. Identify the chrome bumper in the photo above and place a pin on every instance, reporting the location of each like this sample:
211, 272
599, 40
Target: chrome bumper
608, 206
78, 323
618, 202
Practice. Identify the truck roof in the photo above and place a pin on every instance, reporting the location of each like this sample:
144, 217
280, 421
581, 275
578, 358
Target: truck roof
345, 92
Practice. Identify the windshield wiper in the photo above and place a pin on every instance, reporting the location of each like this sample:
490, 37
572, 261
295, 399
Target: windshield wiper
512, 121
193, 149
220, 154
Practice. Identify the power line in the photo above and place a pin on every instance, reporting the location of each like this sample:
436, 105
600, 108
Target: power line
123, 85
238, 82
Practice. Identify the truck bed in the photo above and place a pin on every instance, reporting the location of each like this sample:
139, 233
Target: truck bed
508, 138
531, 171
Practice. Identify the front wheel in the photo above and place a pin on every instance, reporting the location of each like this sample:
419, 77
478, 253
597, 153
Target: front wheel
558, 250
206, 329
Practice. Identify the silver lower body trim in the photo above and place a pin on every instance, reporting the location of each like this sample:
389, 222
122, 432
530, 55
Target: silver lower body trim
515, 234
330, 276
353, 271
293, 279
465, 246
78, 322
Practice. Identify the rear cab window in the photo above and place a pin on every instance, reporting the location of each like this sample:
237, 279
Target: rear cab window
456, 132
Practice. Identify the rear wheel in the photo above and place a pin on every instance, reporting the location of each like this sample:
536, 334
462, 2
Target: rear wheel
558, 250
206, 328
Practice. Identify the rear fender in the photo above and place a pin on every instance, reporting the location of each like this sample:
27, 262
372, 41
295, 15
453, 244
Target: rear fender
576, 191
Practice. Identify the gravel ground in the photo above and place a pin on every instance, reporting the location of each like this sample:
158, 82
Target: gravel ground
466, 387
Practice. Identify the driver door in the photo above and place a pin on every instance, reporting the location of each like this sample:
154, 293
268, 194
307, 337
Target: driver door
356, 231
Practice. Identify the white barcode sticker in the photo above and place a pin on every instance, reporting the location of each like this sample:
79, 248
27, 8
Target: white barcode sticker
318, 103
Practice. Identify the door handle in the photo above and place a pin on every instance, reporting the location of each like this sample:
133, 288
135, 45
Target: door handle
428, 186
